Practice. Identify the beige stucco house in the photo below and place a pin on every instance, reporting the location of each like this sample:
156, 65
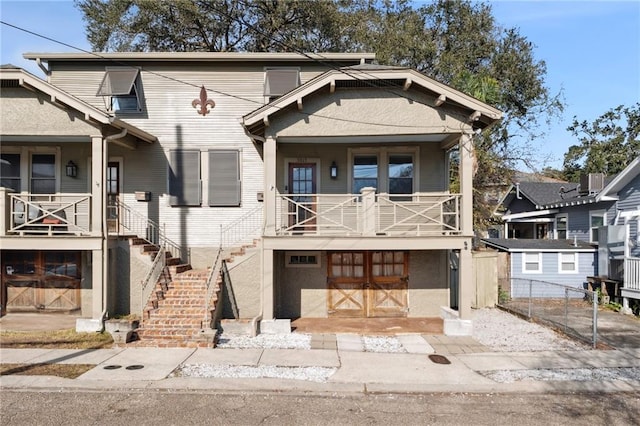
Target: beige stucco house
337, 170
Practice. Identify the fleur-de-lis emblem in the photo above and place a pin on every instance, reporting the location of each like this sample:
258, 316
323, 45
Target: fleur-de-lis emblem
203, 102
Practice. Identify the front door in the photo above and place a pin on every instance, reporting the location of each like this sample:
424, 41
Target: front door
302, 184
41, 280
113, 189
368, 284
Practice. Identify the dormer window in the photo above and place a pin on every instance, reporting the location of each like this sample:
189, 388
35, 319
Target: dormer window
120, 88
278, 81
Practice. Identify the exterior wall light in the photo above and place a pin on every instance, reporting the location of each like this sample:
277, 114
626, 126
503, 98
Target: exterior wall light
72, 169
333, 170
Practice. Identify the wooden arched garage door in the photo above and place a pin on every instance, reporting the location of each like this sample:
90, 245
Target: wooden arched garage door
368, 284
41, 280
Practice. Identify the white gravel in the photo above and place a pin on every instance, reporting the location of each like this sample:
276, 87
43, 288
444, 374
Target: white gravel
503, 332
499, 330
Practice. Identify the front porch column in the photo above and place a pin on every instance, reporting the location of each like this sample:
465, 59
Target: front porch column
97, 179
267, 285
467, 158
269, 152
466, 282
5, 210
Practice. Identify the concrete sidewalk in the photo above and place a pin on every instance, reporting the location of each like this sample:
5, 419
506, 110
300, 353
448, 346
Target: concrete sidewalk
354, 371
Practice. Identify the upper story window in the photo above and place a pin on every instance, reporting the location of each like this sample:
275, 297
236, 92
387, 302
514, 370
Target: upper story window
365, 172
596, 220
43, 174
10, 171
278, 81
388, 170
121, 89
562, 227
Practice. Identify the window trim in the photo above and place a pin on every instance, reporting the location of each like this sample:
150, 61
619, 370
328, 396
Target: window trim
290, 254
555, 226
524, 263
575, 269
383, 154
110, 95
592, 214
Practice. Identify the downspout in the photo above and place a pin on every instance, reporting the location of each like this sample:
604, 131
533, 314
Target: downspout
255, 320
105, 229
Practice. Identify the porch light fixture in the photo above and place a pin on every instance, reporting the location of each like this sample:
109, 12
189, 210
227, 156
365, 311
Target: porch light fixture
72, 169
333, 170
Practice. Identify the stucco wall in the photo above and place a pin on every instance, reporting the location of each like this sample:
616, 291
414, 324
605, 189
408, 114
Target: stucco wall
245, 276
428, 283
301, 292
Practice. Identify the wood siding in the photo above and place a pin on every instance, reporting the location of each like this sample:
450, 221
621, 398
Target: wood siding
586, 267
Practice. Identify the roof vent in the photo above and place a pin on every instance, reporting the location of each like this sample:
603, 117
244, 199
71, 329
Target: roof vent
591, 184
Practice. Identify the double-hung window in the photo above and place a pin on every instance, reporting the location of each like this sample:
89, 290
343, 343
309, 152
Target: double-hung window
391, 171
567, 263
596, 220
10, 171
120, 87
562, 227
531, 263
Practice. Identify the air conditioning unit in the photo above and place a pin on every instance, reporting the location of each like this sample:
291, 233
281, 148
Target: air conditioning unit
591, 184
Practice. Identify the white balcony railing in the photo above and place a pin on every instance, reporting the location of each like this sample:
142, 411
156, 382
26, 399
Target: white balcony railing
49, 214
419, 214
632, 273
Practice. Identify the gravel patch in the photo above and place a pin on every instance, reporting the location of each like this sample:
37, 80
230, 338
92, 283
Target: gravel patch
504, 332
312, 374
385, 344
265, 341
564, 374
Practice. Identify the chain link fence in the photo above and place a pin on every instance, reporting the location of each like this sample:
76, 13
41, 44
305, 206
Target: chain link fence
571, 310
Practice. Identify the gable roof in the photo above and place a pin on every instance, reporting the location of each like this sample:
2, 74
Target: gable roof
390, 78
519, 245
29, 81
622, 179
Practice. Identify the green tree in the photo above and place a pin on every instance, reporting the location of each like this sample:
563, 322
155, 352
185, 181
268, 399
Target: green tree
606, 145
457, 42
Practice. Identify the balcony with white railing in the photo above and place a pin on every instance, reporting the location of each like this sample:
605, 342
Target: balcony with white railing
368, 214
632, 274
48, 215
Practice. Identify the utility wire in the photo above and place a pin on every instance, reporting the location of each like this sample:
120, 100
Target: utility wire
308, 56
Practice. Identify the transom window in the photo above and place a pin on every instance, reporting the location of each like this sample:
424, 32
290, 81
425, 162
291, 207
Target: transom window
303, 259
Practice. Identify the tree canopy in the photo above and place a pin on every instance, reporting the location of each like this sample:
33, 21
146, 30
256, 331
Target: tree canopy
456, 42
607, 145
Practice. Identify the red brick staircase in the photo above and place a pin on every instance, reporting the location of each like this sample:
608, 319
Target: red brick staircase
177, 314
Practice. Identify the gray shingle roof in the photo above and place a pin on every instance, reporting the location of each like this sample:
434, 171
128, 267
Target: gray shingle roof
531, 244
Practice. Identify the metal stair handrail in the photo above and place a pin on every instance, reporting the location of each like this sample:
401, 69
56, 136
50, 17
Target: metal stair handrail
149, 282
214, 272
242, 228
149, 230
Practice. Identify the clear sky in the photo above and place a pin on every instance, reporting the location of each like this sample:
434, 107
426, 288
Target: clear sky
591, 48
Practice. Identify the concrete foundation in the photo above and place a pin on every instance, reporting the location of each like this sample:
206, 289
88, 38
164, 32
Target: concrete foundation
275, 326
89, 325
453, 325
